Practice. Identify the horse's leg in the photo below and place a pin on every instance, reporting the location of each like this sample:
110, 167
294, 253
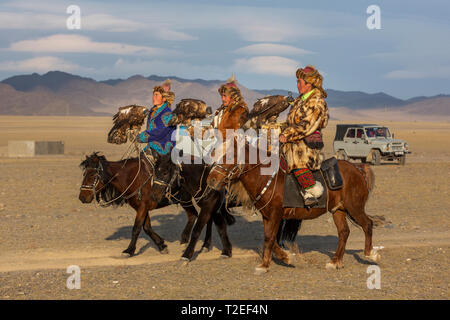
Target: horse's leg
191, 215
207, 243
141, 213
162, 247
221, 226
366, 224
270, 233
207, 208
340, 220
281, 254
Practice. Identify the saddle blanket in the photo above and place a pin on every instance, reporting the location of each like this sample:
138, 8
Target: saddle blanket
292, 197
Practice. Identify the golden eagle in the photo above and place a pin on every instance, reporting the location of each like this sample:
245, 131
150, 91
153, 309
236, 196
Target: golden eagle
189, 109
127, 119
267, 109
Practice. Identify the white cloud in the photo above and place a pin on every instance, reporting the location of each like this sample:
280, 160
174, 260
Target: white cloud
180, 69
271, 49
267, 65
81, 44
29, 20
39, 64
432, 73
92, 22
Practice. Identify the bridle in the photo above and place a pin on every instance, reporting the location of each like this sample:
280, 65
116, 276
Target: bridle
97, 179
229, 173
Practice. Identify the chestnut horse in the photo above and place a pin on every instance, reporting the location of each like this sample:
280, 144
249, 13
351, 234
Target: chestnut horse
129, 181
349, 201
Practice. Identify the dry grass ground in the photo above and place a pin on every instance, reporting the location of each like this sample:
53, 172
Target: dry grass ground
45, 228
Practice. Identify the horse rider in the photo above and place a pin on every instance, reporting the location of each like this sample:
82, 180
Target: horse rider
233, 112
158, 133
302, 139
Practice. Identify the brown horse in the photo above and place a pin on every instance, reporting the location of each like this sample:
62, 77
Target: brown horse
349, 202
129, 181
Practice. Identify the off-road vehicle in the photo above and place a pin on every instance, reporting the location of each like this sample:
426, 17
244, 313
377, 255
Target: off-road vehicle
369, 143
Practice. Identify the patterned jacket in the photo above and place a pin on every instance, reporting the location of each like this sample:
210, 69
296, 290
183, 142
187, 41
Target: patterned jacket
231, 117
308, 114
158, 133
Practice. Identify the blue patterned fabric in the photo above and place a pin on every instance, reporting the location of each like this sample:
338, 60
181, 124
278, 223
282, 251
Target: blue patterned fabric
158, 133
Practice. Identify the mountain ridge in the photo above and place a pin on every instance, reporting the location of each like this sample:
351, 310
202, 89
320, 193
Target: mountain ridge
71, 94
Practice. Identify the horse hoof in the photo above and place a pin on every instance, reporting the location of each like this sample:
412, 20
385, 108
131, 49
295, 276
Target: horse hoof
164, 251
224, 256
374, 256
261, 270
334, 265
126, 255
184, 261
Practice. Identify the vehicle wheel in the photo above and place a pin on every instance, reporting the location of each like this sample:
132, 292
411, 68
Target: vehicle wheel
402, 160
342, 155
376, 157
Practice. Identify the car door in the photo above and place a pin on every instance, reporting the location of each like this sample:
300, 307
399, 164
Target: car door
349, 140
360, 145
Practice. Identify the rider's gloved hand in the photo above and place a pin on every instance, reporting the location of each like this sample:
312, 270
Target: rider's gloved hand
141, 137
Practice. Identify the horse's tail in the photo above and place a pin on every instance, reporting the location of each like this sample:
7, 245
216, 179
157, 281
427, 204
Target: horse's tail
369, 177
288, 231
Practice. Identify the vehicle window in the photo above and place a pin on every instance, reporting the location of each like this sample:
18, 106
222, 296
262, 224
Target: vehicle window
381, 132
370, 132
350, 133
360, 134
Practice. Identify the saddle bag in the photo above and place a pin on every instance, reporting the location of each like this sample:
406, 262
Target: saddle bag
331, 173
314, 140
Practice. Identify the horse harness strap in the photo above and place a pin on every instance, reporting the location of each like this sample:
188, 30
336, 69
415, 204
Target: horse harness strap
265, 187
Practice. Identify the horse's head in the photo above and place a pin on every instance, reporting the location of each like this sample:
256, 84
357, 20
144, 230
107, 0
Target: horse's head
93, 173
222, 171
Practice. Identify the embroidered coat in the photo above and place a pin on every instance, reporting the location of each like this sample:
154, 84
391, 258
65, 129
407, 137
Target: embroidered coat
308, 114
158, 133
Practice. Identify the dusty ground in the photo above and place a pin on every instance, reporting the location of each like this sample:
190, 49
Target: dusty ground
45, 228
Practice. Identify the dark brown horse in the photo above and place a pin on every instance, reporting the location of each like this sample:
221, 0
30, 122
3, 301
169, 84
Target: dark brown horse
346, 202
129, 181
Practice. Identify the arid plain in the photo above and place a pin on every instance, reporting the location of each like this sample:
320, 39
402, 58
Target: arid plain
44, 228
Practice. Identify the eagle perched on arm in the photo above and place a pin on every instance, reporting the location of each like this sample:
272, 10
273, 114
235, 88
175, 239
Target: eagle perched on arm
267, 109
128, 118
189, 109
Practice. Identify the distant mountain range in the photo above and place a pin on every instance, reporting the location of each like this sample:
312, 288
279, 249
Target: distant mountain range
60, 93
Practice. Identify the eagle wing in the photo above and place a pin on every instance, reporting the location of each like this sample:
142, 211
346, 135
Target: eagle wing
189, 109
267, 108
128, 118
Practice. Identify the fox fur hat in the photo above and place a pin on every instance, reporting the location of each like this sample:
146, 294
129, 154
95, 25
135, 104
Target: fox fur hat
166, 94
231, 89
311, 75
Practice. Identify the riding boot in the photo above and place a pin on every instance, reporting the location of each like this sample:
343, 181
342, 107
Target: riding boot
312, 189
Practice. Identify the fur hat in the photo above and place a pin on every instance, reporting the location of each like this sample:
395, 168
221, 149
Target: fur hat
168, 95
231, 89
311, 75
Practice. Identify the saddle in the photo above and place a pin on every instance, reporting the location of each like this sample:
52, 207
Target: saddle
328, 175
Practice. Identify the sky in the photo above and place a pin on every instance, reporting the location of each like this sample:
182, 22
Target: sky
261, 42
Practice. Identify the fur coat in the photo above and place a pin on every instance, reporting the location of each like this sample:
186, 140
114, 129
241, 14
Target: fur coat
308, 114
